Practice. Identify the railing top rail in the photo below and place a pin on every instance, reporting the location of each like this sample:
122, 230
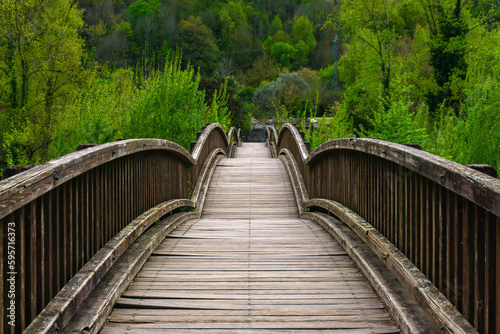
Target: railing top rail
233, 132
272, 130
239, 134
41, 179
298, 139
473, 185
204, 136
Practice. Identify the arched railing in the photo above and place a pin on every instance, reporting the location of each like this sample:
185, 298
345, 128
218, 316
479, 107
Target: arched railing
65, 223
410, 205
234, 136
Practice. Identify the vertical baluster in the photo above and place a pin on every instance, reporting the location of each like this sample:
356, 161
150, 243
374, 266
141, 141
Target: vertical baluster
41, 245
112, 200
71, 233
467, 264
375, 194
418, 220
378, 193
450, 218
363, 185
394, 205
110, 203
33, 261
22, 265
401, 205
81, 222
99, 211
50, 286
86, 211
58, 238
407, 217
76, 225
435, 203
411, 215
65, 235
443, 213
92, 208
141, 184
135, 180
489, 272
426, 238
156, 179
130, 177
456, 222
496, 222
148, 181
119, 187
479, 261
116, 199
119, 196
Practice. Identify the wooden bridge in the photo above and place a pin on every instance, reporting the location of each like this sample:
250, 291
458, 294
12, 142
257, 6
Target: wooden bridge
358, 236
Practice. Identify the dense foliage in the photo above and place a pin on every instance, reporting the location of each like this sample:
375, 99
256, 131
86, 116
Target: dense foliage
98, 70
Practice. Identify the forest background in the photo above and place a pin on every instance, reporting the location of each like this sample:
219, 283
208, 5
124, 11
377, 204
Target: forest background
93, 71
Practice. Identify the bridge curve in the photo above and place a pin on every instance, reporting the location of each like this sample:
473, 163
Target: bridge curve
424, 231
249, 263
66, 222
435, 223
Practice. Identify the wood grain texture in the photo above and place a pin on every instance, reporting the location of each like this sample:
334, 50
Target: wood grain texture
250, 264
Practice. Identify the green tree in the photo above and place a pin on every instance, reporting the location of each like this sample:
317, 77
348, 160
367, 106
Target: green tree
448, 49
276, 25
374, 23
198, 44
40, 63
170, 105
283, 54
262, 70
143, 16
303, 31
288, 91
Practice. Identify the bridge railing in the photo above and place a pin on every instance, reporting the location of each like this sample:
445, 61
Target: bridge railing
442, 216
55, 218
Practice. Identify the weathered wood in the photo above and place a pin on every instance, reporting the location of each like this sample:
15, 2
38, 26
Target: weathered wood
253, 255
69, 299
99, 303
473, 185
77, 203
402, 306
22, 188
413, 279
486, 169
14, 170
427, 206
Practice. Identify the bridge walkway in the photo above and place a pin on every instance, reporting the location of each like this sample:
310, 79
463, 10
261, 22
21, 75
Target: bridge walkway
250, 264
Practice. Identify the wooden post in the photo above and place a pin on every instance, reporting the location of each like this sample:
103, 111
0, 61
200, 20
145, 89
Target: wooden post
13, 170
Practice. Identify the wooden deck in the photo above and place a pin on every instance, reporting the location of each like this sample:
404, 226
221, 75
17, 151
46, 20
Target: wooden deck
250, 264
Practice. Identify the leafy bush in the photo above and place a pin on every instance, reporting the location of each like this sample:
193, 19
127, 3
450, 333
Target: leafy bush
95, 116
170, 106
288, 91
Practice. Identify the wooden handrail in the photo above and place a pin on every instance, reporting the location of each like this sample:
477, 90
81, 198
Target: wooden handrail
62, 213
234, 137
444, 217
271, 140
466, 182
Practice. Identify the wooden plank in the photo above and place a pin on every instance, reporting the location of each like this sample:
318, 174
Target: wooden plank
139, 329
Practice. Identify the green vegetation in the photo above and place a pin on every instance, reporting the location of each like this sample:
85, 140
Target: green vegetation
98, 70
